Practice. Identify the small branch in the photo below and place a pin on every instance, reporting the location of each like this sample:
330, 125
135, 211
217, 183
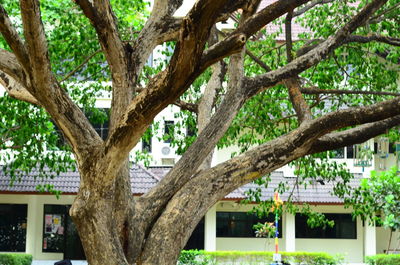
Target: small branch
374, 37
258, 61
379, 17
79, 66
264, 81
304, 9
316, 91
12, 38
186, 105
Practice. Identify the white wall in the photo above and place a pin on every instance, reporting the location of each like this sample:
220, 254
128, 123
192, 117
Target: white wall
352, 249
34, 231
382, 240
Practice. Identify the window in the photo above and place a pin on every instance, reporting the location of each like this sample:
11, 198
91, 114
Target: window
147, 140
101, 125
168, 130
60, 234
146, 145
13, 227
190, 131
350, 151
345, 227
54, 228
240, 224
337, 153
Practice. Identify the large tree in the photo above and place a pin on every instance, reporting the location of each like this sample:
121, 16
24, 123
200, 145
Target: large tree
252, 87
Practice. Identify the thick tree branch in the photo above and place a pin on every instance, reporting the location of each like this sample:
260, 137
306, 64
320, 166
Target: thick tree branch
16, 89
352, 136
234, 41
316, 91
49, 94
13, 39
168, 85
315, 55
218, 181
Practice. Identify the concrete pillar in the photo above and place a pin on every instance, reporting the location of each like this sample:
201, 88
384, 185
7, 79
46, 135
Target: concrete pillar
210, 229
369, 239
289, 233
32, 225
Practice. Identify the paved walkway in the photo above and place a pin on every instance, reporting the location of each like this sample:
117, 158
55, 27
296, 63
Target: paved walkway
51, 262
83, 262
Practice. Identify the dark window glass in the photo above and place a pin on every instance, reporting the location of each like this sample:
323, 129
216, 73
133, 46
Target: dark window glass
196, 240
392, 148
60, 234
338, 153
345, 227
190, 131
147, 140
350, 151
168, 129
54, 228
146, 145
240, 224
13, 227
101, 128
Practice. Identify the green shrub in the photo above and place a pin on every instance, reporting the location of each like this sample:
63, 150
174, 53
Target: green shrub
383, 259
15, 259
197, 257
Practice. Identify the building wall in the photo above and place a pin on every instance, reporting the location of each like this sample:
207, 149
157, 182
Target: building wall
382, 240
34, 231
352, 249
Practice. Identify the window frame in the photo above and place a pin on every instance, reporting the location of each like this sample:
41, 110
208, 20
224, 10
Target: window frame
302, 232
254, 220
20, 221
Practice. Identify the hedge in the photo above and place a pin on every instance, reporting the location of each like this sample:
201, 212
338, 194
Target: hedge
383, 259
200, 257
15, 259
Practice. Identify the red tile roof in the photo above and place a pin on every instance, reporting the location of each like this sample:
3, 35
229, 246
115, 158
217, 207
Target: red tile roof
273, 28
142, 180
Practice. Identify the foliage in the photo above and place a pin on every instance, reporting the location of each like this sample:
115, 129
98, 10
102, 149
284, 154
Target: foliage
266, 229
383, 259
36, 142
308, 171
255, 257
15, 259
193, 257
380, 194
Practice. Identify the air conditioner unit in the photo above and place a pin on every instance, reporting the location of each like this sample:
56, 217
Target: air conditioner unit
165, 150
168, 161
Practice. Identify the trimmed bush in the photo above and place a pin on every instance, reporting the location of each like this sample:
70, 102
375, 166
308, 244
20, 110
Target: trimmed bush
15, 259
200, 257
383, 259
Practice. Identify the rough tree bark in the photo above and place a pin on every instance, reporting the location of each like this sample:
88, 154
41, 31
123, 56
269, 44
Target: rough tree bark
114, 228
